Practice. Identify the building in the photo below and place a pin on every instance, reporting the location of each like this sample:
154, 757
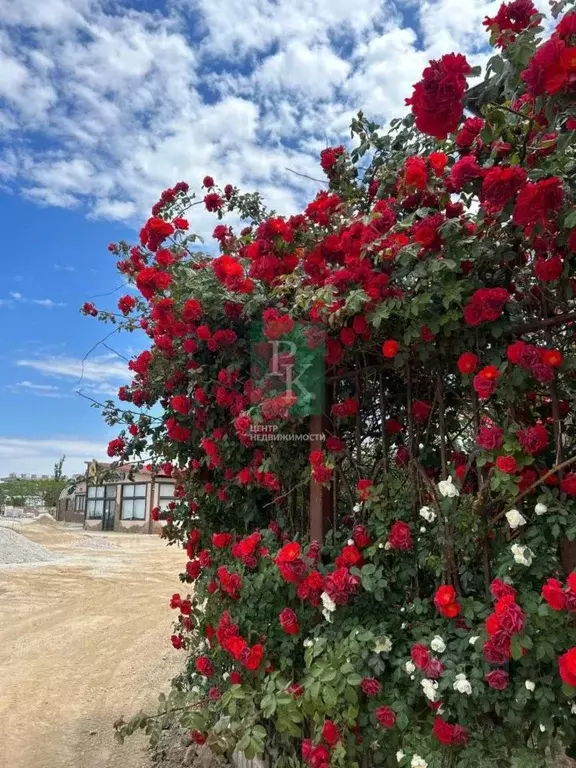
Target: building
110, 499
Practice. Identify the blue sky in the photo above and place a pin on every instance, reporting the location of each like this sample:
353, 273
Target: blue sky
103, 104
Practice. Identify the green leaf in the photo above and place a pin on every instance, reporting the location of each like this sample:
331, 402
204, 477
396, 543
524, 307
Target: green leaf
354, 680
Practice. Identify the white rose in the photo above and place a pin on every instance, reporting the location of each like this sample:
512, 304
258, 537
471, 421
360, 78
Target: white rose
430, 688
540, 509
350, 542
473, 640
387, 545
383, 646
399, 755
380, 546
542, 728
437, 644
356, 507
462, 685
428, 514
515, 519
573, 709
327, 602
409, 667
530, 686
418, 762
422, 530
522, 555
448, 489
307, 643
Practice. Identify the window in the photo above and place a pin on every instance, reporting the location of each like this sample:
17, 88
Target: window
165, 495
134, 502
80, 503
95, 501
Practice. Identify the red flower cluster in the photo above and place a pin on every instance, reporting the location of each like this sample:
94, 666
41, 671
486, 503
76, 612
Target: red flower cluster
485, 305
500, 185
289, 621
467, 363
386, 717
233, 643
532, 359
511, 19
446, 602
553, 67
538, 201
340, 585
559, 596
437, 99
450, 735
485, 381
507, 620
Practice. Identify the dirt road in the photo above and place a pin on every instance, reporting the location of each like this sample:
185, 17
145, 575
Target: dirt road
83, 641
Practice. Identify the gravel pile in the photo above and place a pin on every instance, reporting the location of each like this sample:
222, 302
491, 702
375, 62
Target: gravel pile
15, 548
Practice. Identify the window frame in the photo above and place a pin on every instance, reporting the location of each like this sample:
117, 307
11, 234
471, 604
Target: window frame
80, 502
96, 495
126, 498
165, 498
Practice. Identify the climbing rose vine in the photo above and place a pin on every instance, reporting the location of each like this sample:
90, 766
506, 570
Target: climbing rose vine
434, 623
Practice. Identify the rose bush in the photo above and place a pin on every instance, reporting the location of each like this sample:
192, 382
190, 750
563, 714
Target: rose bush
434, 625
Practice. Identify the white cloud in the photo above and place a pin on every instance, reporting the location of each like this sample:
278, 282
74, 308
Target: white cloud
16, 296
99, 369
127, 102
40, 390
64, 268
24, 455
47, 303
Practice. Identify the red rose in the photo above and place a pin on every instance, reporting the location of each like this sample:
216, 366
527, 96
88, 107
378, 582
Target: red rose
421, 410
501, 589
330, 733
445, 601
437, 99
485, 381
500, 186
552, 357
289, 621
361, 536
415, 173
506, 464
568, 484
467, 362
400, 536
204, 666
554, 595
420, 656
350, 556
463, 171
370, 686
497, 679
386, 717
448, 734
221, 540
534, 439
490, 437
390, 348
434, 669
208, 182
438, 162
538, 201
567, 665
548, 270
235, 678
252, 658
550, 68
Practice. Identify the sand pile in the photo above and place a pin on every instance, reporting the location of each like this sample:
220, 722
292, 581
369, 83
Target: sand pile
15, 548
45, 518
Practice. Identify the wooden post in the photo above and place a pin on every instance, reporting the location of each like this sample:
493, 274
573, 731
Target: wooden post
321, 497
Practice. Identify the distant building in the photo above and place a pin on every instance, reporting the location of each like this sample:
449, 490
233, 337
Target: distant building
112, 500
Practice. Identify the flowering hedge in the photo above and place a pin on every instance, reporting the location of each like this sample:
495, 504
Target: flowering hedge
434, 625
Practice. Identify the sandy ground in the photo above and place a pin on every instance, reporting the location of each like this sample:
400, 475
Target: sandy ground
83, 641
